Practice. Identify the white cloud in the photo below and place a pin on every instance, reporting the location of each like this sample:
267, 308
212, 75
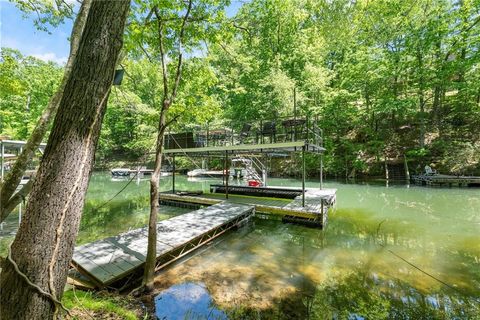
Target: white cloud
50, 56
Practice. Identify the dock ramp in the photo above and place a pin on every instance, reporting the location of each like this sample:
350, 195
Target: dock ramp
109, 260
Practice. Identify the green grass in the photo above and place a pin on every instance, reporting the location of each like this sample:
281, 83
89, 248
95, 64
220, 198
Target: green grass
89, 302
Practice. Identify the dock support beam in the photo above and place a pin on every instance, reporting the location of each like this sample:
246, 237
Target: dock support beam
173, 173
226, 175
303, 176
321, 171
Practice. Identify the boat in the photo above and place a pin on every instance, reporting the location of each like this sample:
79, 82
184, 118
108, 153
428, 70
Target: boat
205, 173
120, 172
126, 172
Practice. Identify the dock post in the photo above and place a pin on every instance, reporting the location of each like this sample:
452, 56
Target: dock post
321, 171
294, 134
321, 158
173, 174
407, 172
303, 176
225, 173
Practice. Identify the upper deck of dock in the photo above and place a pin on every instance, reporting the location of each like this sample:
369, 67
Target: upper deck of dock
282, 134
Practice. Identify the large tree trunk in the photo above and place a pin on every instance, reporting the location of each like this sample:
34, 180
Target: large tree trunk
8, 201
45, 240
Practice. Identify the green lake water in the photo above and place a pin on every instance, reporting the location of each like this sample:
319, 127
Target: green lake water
365, 264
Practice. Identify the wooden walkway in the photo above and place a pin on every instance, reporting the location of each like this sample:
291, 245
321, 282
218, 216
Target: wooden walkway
109, 260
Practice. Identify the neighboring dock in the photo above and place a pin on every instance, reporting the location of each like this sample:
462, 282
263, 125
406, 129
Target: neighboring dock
105, 262
446, 180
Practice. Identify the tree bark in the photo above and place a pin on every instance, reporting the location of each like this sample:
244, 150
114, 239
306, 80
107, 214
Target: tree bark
149, 271
14, 177
168, 99
421, 98
46, 237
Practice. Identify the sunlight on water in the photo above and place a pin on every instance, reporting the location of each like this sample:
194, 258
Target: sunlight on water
352, 269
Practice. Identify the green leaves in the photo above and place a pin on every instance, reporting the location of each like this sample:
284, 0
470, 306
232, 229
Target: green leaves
46, 14
26, 85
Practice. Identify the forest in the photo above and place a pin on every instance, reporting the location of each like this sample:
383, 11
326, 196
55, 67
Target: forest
381, 82
387, 79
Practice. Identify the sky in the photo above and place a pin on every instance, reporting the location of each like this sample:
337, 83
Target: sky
18, 32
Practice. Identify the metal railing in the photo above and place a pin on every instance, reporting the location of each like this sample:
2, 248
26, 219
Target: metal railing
279, 129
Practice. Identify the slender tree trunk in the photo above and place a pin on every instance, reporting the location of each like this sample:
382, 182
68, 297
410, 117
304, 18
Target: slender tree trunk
168, 99
421, 102
421, 99
436, 104
149, 272
46, 237
13, 178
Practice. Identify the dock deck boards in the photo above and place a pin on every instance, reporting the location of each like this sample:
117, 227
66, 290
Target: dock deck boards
108, 260
267, 205
313, 200
249, 199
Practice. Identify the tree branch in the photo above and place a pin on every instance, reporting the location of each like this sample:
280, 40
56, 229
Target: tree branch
14, 201
162, 53
454, 43
243, 29
149, 58
180, 54
172, 120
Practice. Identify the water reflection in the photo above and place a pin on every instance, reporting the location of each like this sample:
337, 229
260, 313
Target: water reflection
271, 270
186, 301
277, 271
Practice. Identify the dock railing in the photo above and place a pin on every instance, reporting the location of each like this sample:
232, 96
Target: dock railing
269, 130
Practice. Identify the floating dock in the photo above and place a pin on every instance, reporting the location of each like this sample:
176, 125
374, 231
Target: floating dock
286, 203
109, 261
446, 180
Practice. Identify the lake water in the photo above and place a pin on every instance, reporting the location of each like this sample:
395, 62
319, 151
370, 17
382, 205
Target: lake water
388, 252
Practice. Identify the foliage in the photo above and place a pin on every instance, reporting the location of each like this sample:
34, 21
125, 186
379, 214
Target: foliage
26, 85
386, 78
46, 13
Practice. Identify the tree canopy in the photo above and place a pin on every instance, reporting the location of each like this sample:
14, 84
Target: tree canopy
387, 78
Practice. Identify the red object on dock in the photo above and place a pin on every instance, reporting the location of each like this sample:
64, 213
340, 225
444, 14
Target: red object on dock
254, 183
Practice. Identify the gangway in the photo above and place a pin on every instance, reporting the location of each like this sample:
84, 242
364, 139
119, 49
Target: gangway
112, 260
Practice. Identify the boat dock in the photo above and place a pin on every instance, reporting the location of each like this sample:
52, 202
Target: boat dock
111, 262
446, 180
285, 203
105, 262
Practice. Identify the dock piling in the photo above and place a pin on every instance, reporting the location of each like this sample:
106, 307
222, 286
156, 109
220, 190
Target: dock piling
303, 176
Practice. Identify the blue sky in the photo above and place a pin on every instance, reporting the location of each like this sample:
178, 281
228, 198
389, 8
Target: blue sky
19, 33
